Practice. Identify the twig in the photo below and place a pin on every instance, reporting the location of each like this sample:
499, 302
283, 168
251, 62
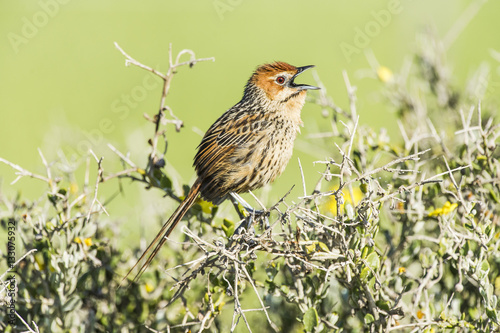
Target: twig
26, 324
303, 179
98, 180
249, 278
23, 172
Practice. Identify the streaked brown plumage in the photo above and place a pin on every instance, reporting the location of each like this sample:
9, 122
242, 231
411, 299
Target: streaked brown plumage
247, 147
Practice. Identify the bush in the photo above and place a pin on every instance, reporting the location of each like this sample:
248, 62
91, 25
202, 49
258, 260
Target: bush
397, 235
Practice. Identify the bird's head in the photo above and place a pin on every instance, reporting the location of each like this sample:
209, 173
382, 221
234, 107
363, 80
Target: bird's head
276, 81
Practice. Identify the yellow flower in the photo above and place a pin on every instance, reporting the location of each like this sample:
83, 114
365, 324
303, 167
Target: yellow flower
445, 210
88, 241
402, 270
330, 205
149, 287
420, 314
384, 74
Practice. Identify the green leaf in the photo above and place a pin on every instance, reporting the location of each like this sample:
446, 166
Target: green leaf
310, 248
206, 206
73, 303
384, 305
373, 261
165, 182
228, 227
311, 319
474, 313
492, 314
493, 196
323, 247
334, 318
364, 253
285, 289
369, 319
408, 286
89, 230
485, 266
365, 273
55, 325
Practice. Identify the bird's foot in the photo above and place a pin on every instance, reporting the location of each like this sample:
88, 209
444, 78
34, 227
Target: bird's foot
249, 215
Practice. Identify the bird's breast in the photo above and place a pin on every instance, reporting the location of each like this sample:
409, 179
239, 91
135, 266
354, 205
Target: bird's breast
264, 158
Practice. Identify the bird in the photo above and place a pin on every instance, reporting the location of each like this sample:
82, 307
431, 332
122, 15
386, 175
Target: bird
248, 147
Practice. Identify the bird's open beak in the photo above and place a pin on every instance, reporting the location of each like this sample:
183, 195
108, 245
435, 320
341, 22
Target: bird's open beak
302, 86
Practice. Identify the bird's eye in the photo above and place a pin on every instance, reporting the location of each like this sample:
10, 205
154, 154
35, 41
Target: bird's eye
280, 80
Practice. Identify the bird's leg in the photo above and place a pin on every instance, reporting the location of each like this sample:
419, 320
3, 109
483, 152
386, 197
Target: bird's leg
237, 208
242, 216
251, 212
248, 217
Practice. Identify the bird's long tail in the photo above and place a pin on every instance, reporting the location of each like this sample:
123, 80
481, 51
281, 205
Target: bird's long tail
165, 231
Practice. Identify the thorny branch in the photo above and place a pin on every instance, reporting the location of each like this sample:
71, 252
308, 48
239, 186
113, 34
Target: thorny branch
155, 160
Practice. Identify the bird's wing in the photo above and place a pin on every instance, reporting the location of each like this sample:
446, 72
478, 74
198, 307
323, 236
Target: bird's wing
224, 138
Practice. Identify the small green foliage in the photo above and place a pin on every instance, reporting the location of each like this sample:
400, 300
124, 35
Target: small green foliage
310, 320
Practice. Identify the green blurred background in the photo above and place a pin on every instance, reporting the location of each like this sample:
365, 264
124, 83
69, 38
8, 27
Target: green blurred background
64, 86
